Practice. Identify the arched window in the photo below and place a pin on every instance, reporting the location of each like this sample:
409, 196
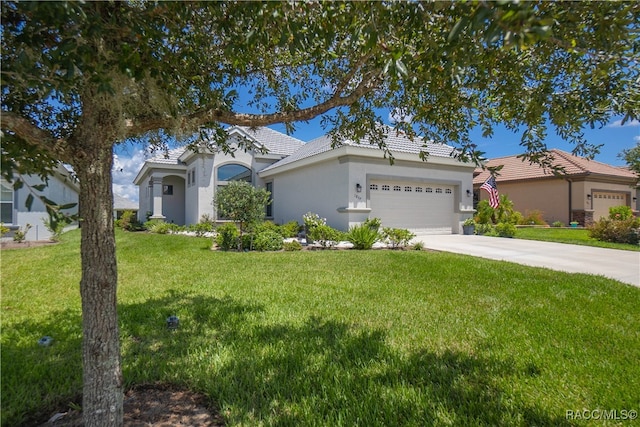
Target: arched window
234, 172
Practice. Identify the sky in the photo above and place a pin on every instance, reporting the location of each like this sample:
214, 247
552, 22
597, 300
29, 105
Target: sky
615, 137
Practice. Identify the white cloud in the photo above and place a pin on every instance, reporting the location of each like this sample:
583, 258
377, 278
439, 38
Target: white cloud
125, 169
399, 115
636, 138
618, 124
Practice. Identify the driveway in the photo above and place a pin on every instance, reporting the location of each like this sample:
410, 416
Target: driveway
613, 263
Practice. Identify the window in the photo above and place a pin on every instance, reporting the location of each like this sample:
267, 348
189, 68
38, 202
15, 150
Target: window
167, 190
418, 189
428, 190
448, 191
189, 179
408, 188
6, 203
373, 187
193, 176
269, 208
385, 187
438, 190
234, 172
397, 188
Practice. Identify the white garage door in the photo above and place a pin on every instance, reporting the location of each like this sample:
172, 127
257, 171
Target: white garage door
603, 200
416, 206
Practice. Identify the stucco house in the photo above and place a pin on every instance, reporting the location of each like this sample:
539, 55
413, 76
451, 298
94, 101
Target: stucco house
122, 205
584, 193
345, 185
61, 188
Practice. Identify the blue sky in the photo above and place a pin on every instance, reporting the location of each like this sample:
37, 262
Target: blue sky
615, 137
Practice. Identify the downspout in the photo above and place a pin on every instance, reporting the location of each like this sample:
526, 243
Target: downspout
570, 194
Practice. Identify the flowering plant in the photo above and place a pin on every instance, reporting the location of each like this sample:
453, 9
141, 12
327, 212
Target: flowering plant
312, 220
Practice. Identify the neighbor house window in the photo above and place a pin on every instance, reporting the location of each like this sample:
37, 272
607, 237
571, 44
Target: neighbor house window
234, 172
167, 190
408, 188
448, 191
385, 187
418, 189
429, 190
397, 188
6, 203
373, 187
438, 190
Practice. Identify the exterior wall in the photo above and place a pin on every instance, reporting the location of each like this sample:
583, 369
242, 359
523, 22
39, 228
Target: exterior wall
173, 205
57, 190
329, 189
320, 188
550, 196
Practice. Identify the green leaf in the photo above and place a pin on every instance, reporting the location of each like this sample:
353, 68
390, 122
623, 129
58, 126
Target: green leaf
29, 202
39, 187
18, 185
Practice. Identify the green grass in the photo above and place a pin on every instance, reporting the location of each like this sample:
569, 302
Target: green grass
575, 236
330, 337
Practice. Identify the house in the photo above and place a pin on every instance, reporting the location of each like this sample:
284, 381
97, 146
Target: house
345, 185
61, 188
122, 204
583, 193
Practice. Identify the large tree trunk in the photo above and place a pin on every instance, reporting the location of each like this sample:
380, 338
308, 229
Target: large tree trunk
102, 398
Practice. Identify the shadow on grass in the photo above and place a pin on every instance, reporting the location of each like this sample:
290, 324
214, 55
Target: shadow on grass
261, 370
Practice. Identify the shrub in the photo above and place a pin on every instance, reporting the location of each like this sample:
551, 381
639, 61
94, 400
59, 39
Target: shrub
227, 237
557, 224
397, 237
418, 246
484, 229
534, 217
373, 223
201, 228
324, 234
290, 229
20, 234
268, 241
484, 213
3, 229
617, 231
158, 226
620, 212
505, 229
293, 245
312, 220
127, 221
363, 236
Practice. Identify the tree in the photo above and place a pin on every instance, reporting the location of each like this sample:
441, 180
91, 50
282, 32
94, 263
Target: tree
632, 157
242, 203
78, 78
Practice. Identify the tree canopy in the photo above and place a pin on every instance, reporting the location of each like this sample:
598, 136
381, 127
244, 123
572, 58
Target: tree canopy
80, 77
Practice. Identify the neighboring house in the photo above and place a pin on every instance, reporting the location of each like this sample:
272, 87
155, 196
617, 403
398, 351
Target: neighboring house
345, 185
61, 188
122, 204
584, 193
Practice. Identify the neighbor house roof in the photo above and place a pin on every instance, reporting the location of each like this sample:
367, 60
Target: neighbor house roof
515, 169
396, 143
123, 204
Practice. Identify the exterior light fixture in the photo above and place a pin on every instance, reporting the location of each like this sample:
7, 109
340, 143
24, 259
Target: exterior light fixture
588, 196
468, 193
172, 323
358, 188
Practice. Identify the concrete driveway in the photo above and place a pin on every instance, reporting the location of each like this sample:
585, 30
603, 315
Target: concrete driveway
615, 264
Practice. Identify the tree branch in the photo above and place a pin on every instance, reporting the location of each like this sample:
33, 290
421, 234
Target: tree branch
31, 134
368, 83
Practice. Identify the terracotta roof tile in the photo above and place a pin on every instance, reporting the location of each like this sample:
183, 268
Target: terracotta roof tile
515, 169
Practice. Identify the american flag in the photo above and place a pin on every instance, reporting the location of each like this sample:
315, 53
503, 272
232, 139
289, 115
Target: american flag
490, 187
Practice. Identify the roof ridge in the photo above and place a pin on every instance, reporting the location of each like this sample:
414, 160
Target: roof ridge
569, 158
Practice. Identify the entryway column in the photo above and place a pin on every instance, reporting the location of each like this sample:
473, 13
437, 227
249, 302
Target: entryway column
157, 198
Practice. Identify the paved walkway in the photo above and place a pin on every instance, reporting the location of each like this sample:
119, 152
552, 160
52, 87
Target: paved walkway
613, 263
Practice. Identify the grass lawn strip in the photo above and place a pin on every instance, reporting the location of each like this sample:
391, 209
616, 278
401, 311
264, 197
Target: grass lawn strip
330, 337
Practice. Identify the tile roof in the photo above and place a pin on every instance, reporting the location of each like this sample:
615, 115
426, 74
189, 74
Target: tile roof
274, 141
397, 143
515, 169
122, 203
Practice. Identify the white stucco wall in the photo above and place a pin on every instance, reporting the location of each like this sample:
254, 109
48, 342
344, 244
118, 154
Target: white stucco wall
57, 190
328, 188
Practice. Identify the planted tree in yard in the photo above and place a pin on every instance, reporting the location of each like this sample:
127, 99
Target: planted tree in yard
79, 78
242, 203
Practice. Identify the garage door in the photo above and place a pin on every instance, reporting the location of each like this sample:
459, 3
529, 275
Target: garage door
603, 200
416, 206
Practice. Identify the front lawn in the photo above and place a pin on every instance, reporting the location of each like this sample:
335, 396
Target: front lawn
330, 337
575, 236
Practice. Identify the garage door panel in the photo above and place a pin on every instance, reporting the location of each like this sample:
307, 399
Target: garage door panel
412, 205
603, 200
